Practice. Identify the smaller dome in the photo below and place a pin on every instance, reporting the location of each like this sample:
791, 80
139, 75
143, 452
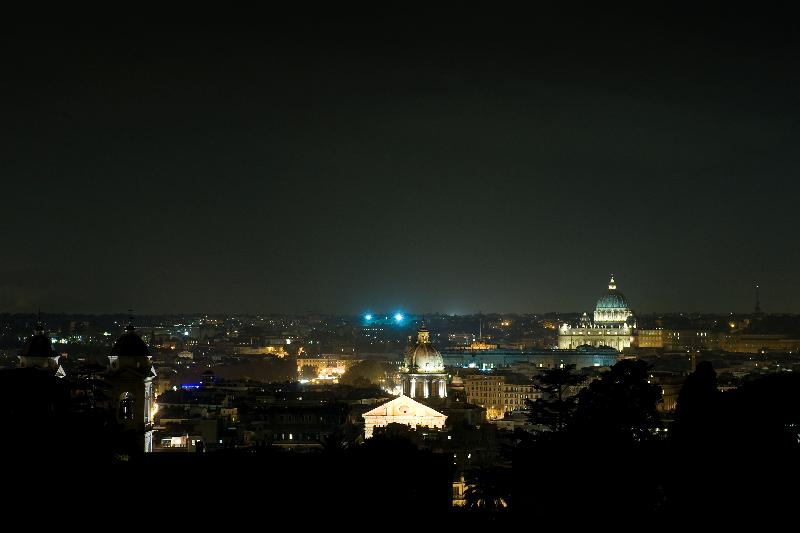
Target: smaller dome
423, 357
39, 345
426, 358
130, 344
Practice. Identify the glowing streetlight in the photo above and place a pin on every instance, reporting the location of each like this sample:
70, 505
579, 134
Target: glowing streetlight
398, 317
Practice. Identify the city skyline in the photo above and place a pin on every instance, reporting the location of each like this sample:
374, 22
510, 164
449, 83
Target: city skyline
392, 312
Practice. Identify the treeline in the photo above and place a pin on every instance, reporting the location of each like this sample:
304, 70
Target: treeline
607, 448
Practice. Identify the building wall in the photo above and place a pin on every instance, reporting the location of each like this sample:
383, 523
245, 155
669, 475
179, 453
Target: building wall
650, 338
617, 338
327, 367
697, 339
496, 396
757, 343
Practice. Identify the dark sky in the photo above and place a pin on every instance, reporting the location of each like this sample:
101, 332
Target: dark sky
427, 161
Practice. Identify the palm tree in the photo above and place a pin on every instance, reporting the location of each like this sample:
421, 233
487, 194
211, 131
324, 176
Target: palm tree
488, 489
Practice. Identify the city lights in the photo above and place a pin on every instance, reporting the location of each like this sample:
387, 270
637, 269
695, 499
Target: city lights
195, 215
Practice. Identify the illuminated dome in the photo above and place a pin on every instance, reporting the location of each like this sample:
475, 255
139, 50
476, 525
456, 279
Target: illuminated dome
612, 307
613, 299
423, 357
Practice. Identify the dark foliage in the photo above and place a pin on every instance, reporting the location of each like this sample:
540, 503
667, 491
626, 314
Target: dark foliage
555, 409
619, 408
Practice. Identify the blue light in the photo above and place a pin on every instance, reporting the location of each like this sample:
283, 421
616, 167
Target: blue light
367, 317
398, 317
190, 386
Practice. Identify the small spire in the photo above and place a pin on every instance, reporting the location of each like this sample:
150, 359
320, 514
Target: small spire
758, 300
129, 328
39, 325
612, 285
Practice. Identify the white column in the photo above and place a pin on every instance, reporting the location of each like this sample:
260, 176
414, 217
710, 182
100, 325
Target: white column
425, 386
442, 389
413, 386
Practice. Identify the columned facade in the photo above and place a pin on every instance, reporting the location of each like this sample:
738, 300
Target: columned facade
423, 374
424, 385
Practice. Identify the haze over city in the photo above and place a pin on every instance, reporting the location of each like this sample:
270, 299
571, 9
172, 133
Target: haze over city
460, 162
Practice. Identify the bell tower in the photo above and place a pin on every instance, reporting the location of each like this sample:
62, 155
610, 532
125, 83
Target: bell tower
130, 376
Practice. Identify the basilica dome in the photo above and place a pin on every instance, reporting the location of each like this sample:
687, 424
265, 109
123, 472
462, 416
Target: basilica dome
613, 299
612, 308
423, 357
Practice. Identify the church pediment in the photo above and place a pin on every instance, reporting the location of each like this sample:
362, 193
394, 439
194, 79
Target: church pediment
403, 406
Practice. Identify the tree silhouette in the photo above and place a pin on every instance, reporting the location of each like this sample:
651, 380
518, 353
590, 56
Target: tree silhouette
734, 449
343, 437
555, 409
488, 488
364, 373
308, 372
696, 412
620, 407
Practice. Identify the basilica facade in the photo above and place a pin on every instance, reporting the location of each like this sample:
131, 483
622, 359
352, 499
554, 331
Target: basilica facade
613, 324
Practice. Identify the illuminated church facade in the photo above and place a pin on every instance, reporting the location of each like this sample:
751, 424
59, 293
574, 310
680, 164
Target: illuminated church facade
613, 324
423, 377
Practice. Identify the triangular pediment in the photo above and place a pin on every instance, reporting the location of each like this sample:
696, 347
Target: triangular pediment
403, 406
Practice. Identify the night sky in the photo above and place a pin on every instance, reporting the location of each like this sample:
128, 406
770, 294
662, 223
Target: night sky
430, 162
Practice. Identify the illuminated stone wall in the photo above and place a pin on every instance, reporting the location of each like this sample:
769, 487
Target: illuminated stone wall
402, 410
617, 338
